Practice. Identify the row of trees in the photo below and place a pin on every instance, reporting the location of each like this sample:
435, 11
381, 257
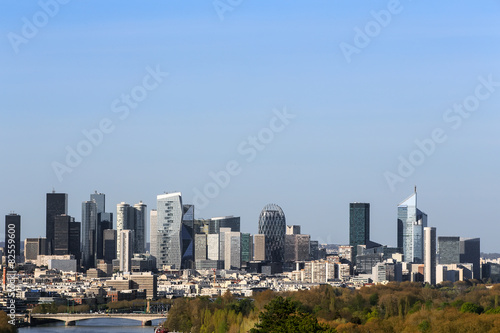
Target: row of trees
395, 307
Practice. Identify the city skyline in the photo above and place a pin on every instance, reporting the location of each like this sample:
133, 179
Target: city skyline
251, 106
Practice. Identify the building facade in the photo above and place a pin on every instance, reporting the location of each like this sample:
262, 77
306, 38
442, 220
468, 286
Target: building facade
13, 237
359, 224
168, 230
430, 255
413, 222
272, 224
56, 204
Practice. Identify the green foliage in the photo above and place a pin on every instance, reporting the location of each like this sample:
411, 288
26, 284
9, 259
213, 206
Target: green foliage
424, 326
469, 307
395, 307
284, 315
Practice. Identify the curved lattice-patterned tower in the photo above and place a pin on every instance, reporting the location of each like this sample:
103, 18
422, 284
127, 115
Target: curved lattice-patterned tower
272, 224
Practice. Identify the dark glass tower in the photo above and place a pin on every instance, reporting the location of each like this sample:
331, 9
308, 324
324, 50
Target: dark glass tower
57, 204
272, 224
187, 235
359, 225
470, 252
13, 236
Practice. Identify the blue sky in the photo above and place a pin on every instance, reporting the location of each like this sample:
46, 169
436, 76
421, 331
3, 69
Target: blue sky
353, 120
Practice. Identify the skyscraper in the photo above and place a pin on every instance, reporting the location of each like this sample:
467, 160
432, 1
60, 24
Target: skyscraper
56, 204
470, 253
109, 245
139, 227
430, 255
126, 250
413, 221
259, 247
61, 234
13, 236
168, 230
448, 250
272, 224
359, 224
89, 233
232, 256
123, 217
104, 221
246, 247
187, 235
153, 237
132, 218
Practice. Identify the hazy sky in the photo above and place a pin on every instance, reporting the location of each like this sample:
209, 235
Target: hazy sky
307, 104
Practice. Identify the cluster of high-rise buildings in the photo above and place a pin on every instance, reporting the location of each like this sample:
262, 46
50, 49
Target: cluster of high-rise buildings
177, 239
420, 255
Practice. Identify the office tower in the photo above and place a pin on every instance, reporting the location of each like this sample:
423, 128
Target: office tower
187, 235
272, 224
200, 247
430, 255
100, 200
413, 221
132, 218
232, 255
314, 250
123, 212
223, 222
153, 236
400, 234
33, 247
75, 231
290, 249
259, 247
448, 250
61, 234
13, 236
109, 245
56, 204
126, 250
470, 253
89, 233
104, 221
222, 242
246, 247
213, 247
302, 247
359, 224
139, 227
292, 229
168, 230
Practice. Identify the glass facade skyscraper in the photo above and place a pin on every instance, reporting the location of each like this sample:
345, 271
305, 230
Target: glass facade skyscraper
89, 233
272, 224
168, 230
13, 233
359, 224
413, 222
57, 204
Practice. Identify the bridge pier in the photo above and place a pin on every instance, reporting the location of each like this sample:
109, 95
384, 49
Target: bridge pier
70, 323
147, 323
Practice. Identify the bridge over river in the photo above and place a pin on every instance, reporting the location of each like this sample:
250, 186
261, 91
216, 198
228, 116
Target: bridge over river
71, 319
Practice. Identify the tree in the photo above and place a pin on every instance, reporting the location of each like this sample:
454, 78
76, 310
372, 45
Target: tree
4, 324
283, 315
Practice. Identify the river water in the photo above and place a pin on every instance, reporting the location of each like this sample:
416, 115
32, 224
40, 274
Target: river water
108, 325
